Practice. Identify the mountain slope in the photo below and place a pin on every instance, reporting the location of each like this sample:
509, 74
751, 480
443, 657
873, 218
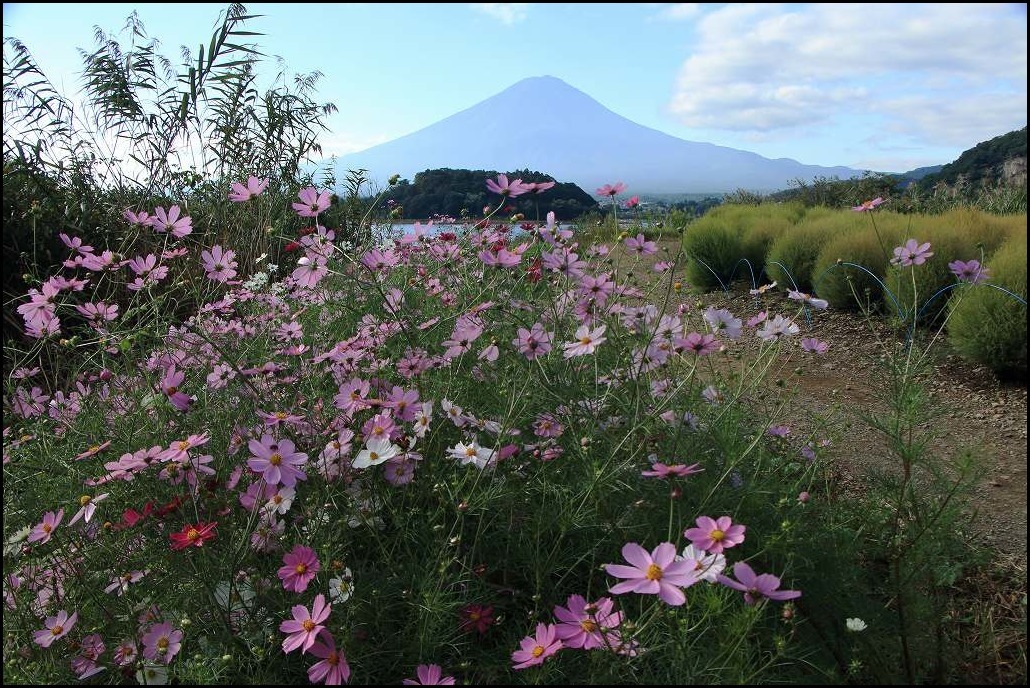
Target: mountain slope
543, 123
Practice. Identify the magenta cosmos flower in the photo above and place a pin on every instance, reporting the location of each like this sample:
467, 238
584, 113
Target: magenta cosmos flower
429, 675
299, 568
277, 461
304, 627
57, 627
534, 650
254, 188
640, 245
333, 669
679, 470
755, 587
715, 535
912, 253
658, 573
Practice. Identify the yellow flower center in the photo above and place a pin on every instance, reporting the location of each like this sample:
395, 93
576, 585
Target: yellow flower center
47, 527
192, 534
308, 625
275, 459
717, 535
281, 415
585, 341
57, 630
588, 625
538, 650
171, 390
84, 500
654, 572
333, 659
373, 456
300, 568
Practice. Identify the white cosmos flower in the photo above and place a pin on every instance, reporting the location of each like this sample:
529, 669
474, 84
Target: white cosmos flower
377, 450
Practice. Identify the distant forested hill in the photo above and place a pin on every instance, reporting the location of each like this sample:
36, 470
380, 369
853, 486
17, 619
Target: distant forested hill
463, 192
1000, 160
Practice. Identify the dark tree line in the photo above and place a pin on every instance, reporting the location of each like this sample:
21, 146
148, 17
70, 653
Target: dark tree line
463, 193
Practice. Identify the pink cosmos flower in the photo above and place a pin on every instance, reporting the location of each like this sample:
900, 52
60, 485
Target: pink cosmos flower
679, 470
640, 245
868, 205
584, 626
170, 222
311, 202
305, 626
195, 535
776, 328
43, 530
912, 253
813, 345
698, 344
534, 650
722, 321
756, 587
658, 573
85, 664
818, 304
161, 643
170, 386
502, 187
538, 187
254, 188
609, 190
278, 462
220, 264
299, 568
98, 314
533, 342
715, 535
633, 202
141, 218
333, 669
57, 627
429, 675
586, 342
969, 271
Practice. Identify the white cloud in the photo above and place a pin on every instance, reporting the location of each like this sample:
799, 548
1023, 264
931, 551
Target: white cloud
507, 13
934, 72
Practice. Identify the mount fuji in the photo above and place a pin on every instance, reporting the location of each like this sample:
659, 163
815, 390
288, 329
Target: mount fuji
543, 124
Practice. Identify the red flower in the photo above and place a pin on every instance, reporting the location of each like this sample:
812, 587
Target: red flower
193, 535
476, 617
291, 247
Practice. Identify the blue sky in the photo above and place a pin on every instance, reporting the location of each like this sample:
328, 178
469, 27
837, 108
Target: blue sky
889, 87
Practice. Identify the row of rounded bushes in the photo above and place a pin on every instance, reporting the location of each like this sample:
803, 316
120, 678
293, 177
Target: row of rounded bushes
845, 256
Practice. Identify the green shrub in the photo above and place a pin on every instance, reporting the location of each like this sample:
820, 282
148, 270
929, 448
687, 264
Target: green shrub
989, 325
713, 247
853, 288
791, 258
